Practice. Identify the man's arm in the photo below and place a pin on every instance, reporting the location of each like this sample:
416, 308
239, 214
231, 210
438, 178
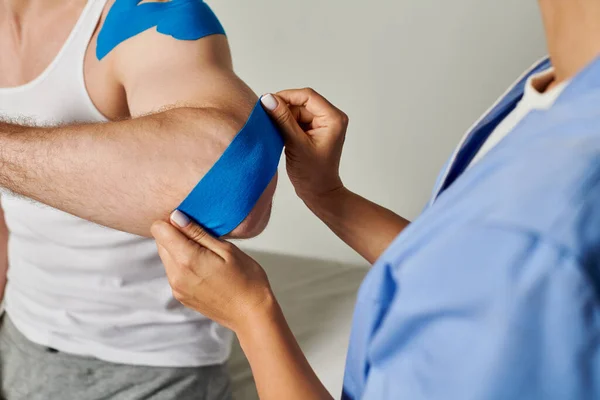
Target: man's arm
127, 174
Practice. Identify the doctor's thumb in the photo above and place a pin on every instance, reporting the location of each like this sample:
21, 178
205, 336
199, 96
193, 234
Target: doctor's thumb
194, 231
283, 117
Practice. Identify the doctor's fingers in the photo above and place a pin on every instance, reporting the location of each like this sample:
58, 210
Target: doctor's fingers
188, 255
175, 273
183, 281
285, 119
304, 117
312, 101
196, 233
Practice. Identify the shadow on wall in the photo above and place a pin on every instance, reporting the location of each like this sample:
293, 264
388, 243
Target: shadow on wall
318, 299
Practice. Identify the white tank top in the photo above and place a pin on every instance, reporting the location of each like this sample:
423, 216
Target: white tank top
79, 287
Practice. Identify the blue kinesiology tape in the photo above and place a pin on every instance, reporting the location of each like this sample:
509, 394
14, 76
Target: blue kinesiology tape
231, 188
181, 19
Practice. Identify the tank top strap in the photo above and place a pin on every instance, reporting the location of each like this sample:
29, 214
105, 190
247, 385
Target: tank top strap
74, 49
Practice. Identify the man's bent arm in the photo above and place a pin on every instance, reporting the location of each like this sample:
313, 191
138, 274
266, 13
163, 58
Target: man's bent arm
121, 174
127, 174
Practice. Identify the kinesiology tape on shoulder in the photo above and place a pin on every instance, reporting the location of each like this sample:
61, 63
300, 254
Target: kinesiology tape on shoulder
232, 187
181, 19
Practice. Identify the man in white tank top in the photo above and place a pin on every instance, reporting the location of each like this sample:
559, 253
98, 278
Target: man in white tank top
89, 312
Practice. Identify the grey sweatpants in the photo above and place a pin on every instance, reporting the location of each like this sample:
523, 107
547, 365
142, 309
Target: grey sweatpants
32, 372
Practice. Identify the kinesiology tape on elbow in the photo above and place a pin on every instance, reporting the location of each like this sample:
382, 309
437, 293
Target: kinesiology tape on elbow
231, 188
181, 19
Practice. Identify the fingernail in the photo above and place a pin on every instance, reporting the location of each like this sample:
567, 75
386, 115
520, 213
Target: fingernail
180, 219
269, 101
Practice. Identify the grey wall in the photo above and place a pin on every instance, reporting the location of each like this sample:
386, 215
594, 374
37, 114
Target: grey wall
412, 75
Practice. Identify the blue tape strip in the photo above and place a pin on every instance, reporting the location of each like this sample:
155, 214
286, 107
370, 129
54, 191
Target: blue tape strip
231, 188
181, 19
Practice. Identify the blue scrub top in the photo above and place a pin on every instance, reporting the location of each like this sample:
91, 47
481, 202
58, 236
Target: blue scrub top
494, 292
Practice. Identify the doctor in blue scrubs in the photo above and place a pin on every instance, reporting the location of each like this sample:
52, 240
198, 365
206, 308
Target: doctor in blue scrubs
492, 293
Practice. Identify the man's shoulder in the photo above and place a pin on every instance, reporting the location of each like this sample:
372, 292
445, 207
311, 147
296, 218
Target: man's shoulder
180, 20
171, 42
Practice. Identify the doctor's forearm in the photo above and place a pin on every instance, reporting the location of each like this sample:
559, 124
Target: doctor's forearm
363, 225
280, 369
124, 175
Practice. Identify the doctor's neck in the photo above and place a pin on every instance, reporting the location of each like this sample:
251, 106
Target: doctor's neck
572, 34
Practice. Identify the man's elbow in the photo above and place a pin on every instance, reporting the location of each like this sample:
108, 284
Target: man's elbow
258, 219
229, 123
224, 127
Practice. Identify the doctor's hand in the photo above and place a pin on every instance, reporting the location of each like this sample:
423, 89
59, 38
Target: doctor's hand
314, 132
210, 275
218, 280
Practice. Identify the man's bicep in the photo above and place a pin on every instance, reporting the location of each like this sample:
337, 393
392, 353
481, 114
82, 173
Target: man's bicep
158, 71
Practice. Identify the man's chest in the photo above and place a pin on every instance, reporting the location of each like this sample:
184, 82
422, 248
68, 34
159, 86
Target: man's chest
28, 46
56, 40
